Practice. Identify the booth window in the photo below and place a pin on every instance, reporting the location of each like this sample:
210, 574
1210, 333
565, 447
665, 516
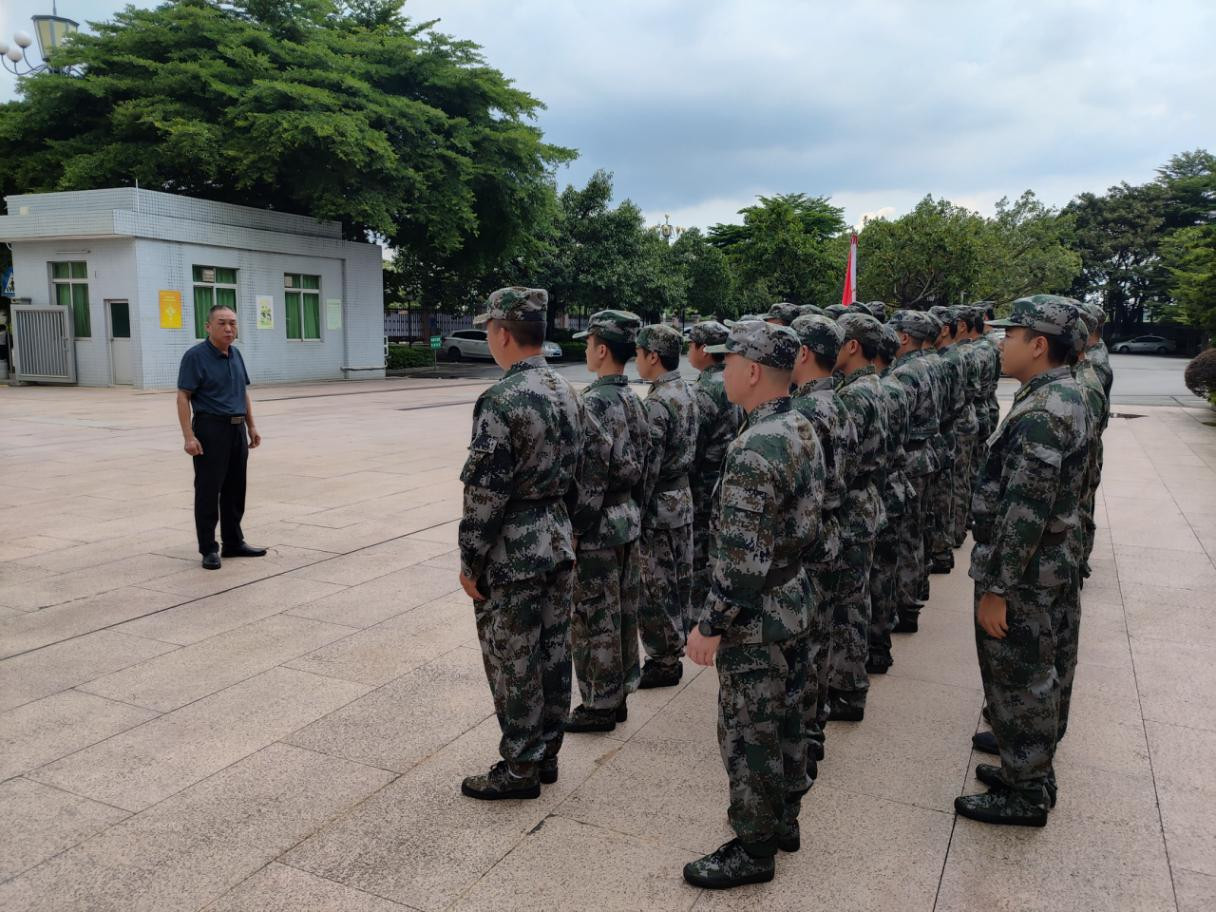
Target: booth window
212, 285
71, 285
302, 296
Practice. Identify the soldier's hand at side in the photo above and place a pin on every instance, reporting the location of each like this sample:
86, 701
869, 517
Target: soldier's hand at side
991, 615
700, 648
255, 439
193, 447
469, 585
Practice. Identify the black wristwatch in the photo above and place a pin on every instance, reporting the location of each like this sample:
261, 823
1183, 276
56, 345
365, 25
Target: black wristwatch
707, 629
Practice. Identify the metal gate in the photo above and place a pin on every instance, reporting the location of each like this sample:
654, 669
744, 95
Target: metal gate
43, 348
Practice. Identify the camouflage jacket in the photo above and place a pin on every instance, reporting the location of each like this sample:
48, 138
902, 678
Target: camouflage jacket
992, 372
862, 514
605, 511
819, 403
769, 502
718, 421
943, 393
896, 490
1027, 496
523, 457
912, 371
1099, 356
968, 381
671, 412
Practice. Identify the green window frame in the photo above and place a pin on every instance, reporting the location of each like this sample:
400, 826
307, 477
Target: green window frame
212, 285
70, 283
302, 303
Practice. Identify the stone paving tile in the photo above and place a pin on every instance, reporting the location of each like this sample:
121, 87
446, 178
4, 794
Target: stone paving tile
1195, 892
53, 727
196, 582
199, 619
1176, 682
76, 661
376, 561
64, 587
193, 847
142, 766
374, 656
402, 723
25, 631
193, 672
37, 821
279, 888
369, 603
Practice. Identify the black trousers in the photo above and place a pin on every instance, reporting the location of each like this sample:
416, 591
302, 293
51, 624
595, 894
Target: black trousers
219, 480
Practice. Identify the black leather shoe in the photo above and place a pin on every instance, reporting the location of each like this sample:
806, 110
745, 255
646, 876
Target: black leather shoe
792, 840
841, 710
909, 623
985, 743
548, 771
211, 561
879, 664
244, 549
622, 712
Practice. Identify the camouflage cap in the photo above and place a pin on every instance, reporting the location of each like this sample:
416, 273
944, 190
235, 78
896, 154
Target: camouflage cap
935, 325
889, 349
764, 343
660, 339
941, 313
1096, 313
912, 322
784, 311
876, 309
862, 327
612, 326
807, 310
516, 303
834, 310
820, 334
1048, 314
708, 332
1081, 328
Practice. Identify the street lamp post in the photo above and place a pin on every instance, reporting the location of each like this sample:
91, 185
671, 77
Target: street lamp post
52, 31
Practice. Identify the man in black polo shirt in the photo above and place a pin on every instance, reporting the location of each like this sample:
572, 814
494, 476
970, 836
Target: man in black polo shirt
211, 382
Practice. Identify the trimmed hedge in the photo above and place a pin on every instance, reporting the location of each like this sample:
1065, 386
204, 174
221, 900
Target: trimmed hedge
1200, 375
573, 351
401, 357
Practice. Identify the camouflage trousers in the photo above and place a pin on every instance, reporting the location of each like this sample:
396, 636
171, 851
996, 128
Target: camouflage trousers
938, 493
884, 603
1089, 527
665, 605
604, 625
960, 496
819, 638
1067, 623
847, 677
702, 569
524, 630
911, 573
762, 702
1022, 681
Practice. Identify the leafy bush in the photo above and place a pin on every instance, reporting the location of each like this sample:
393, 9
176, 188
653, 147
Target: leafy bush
1200, 375
573, 351
401, 357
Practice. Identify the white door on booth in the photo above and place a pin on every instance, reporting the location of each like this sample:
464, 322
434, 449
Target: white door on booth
120, 342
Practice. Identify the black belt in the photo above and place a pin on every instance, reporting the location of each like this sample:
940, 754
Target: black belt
1054, 538
518, 506
779, 576
616, 498
227, 419
672, 484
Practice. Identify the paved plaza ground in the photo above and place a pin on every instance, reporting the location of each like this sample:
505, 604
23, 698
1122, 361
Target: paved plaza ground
290, 733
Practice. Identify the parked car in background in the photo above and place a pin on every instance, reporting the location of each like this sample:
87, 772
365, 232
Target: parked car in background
472, 344
1158, 345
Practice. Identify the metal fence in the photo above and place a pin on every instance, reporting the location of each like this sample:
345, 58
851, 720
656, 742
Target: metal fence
43, 350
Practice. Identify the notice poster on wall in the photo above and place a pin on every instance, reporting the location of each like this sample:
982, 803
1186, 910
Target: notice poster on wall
265, 305
170, 309
333, 314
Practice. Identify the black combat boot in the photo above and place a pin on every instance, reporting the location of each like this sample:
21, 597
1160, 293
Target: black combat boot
548, 771
585, 719
878, 663
846, 706
990, 775
1013, 807
732, 865
500, 783
985, 743
655, 675
909, 620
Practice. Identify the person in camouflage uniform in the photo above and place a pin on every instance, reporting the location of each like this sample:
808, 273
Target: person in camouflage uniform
806, 310
665, 611
897, 498
1098, 355
862, 517
940, 543
718, 421
989, 412
977, 365
1024, 562
783, 313
966, 426
1095, 387
921, 461
816, 398
516, 548
755, 624
607, 523
834, 311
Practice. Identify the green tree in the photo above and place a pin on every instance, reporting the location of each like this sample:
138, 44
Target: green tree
1024, 250
780, 252
1189, 255
708, 275
347, 112
932, 255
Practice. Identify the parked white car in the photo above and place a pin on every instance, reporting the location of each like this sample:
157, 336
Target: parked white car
1158, 345
471, 343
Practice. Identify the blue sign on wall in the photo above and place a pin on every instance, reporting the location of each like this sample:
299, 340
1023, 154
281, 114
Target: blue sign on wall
7, 287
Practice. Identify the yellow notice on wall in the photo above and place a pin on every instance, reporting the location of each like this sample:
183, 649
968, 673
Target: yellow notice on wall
170, 309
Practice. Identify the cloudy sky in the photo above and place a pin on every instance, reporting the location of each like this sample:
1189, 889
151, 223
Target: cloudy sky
697, 106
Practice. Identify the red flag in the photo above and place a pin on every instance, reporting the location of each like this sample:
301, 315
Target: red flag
849, 295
